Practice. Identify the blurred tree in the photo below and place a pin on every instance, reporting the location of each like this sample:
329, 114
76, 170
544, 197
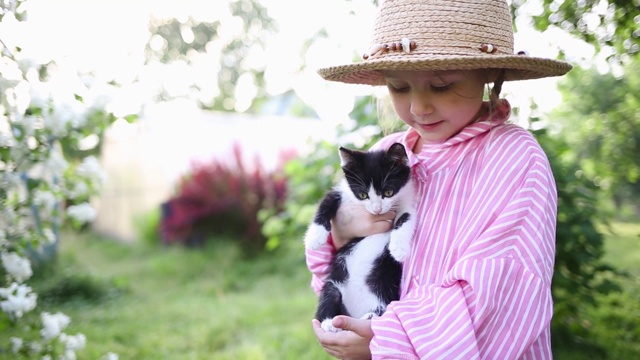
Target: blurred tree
601, 122
236, 39
602, 23
580, 276
232, 46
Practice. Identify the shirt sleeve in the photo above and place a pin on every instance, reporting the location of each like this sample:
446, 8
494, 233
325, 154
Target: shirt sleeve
318, 262
495, 301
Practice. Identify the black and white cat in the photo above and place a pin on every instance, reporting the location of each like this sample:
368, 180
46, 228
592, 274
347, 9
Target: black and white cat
365, 274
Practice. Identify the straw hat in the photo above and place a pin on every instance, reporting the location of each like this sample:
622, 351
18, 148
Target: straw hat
436, 35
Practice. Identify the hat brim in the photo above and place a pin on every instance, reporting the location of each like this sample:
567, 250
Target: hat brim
517, 67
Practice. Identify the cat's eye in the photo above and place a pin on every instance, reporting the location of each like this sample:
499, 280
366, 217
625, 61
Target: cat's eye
388, 193
363, 195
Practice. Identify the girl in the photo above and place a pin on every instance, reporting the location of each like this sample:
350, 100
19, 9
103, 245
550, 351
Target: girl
477, 283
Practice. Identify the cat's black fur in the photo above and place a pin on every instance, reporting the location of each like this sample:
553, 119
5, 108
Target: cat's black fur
365, 274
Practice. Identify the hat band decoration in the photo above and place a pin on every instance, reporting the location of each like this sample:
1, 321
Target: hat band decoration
488, 48
405, 45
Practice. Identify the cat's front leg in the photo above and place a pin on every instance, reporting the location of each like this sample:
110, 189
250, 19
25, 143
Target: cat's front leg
401, 236
316, 236
318, 231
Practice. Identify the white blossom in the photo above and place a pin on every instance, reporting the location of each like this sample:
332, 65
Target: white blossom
110, 356
9, 180
57, 123
83, 212
20, 97
30, 123
19, 299
47, 357
66, 112
90, 168
17, 266
79, 189
35, 347
10, 74
6, 140
53, 324
73, 342
56, 162
40, 95
68, 355
44, 199
16, 344
49, 235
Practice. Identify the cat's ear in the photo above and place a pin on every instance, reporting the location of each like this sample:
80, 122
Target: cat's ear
346, 156
397, 152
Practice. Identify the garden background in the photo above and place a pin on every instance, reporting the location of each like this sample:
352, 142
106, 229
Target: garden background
167, 156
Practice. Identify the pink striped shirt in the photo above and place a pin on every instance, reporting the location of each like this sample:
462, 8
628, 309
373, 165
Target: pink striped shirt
477, 284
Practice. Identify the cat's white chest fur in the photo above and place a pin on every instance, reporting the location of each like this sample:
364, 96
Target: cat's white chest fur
357, 297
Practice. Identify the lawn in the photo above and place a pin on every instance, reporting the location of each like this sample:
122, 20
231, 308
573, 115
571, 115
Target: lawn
151, 302
174, 303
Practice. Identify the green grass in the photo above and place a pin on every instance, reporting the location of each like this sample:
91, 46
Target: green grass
175, 303
145, 302
615, 322
622, 246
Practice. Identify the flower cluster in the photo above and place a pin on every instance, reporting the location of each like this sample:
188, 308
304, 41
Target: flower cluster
51, 123
224, 194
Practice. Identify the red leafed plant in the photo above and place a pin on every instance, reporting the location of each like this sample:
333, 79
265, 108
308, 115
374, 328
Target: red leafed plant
223, 198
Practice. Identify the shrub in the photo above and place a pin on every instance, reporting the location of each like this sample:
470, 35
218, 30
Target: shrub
223, 198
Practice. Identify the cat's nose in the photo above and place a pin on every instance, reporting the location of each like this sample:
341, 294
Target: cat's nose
377, 208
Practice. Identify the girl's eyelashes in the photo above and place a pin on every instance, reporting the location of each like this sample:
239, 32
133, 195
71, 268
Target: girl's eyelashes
440, 88
435, 88
397, 89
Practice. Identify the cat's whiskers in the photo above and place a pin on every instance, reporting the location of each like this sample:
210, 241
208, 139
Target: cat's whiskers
391, 170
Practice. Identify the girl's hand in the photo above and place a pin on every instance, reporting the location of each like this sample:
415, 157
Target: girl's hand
352, 344
354, 221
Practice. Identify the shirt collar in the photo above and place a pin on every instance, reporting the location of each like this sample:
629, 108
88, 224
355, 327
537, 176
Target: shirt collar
491, 118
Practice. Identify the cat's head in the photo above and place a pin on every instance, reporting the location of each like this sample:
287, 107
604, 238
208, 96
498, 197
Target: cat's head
376, 177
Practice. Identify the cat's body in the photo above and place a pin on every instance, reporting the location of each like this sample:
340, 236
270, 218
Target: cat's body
365, 274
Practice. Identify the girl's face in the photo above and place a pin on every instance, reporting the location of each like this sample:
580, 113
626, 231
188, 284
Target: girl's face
436, 104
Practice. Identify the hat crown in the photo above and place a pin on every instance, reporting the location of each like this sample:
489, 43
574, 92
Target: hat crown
445, 27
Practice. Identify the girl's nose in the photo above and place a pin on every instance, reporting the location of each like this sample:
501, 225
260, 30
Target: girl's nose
421, 105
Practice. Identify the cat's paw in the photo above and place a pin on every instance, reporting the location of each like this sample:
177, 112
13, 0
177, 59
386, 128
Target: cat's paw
327, 325
315, 237
399, 249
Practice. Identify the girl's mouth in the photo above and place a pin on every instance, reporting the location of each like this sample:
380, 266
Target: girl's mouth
430, 127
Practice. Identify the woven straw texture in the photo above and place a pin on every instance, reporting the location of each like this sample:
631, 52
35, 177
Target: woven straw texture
449, 35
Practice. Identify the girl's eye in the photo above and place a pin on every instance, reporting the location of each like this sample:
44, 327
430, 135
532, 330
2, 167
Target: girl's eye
362, 195
399, 89
440, 88
388, 193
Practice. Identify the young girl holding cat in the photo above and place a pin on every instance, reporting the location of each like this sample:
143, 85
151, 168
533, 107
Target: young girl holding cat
476, 283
